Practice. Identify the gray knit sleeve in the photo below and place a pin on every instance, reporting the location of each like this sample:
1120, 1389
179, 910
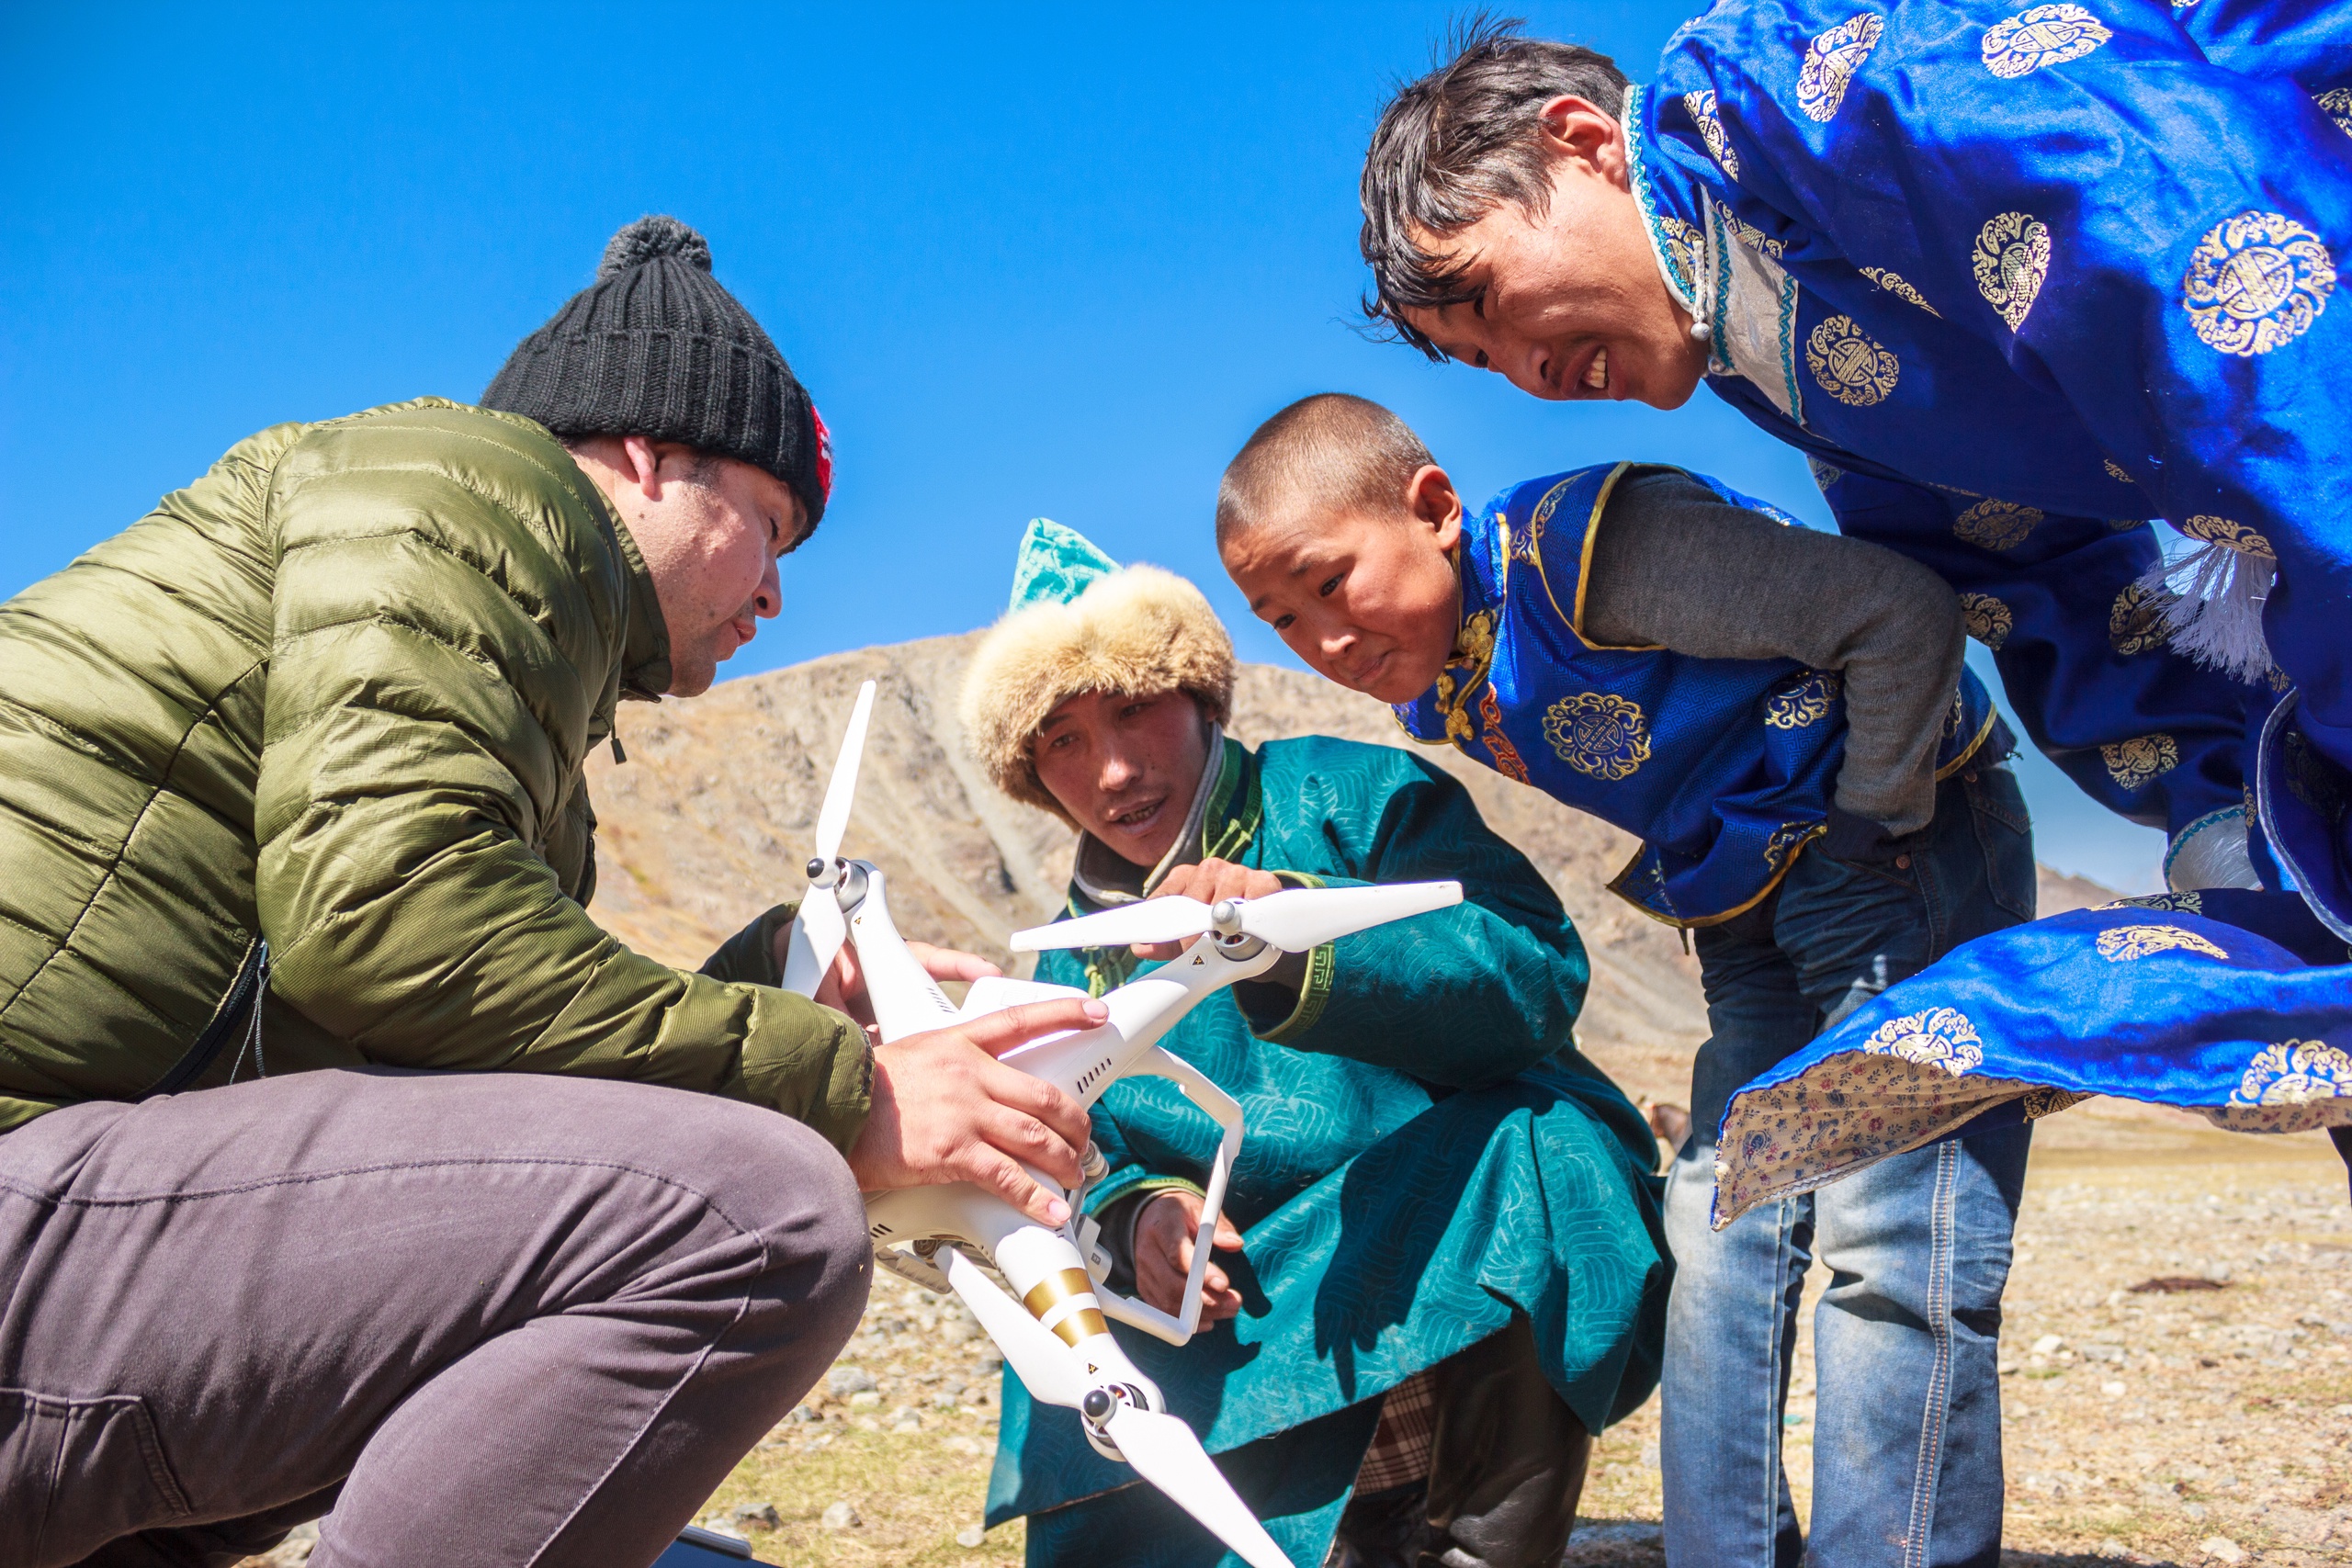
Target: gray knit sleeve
1676, 567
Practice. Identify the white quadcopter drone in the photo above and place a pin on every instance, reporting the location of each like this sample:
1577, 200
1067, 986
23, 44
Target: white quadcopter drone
948, 1237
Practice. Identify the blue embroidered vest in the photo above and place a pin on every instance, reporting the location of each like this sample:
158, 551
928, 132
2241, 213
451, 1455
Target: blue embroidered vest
1725, 767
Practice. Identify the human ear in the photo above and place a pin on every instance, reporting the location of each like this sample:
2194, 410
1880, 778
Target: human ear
642, 464
1579, 131
1430, 497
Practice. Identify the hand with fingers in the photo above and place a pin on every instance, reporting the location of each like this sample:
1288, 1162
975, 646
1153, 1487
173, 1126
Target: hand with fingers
1166, 1231
1207, 881
946, 1110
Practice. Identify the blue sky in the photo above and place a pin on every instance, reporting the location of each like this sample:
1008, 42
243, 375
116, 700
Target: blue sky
1030, 261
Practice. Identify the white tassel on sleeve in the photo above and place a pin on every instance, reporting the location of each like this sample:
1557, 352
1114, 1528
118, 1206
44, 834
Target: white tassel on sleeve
2219, 590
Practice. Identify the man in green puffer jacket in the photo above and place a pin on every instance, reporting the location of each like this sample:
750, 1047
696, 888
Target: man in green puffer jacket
343, 1158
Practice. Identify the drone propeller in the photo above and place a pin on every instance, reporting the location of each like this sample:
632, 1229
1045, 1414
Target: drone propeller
1161, 1448
1166, 1454
1295, 919
819, 928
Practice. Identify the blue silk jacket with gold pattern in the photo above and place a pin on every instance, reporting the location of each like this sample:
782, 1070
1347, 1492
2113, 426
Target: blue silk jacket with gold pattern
1724, 767
2228, 1002
2018, 278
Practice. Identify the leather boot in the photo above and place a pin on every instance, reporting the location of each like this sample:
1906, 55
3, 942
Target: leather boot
1508, 1464
1387, 1530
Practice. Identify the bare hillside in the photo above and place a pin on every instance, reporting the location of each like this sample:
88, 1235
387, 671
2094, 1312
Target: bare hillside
710, 821
711, 817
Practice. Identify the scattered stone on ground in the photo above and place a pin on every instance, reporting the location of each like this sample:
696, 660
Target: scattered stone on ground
2232, 1433
757, 1516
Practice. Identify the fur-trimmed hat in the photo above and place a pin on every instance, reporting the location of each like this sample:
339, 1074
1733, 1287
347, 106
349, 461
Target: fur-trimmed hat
1080, 622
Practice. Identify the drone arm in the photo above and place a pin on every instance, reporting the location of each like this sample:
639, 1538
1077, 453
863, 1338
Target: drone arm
1083, 1064
905, 998
1226, 1111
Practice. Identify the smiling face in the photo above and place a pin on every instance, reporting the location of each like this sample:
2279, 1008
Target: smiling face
1570, 304
1125, 767
1370, 600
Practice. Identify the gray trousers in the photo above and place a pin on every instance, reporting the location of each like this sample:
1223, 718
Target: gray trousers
491, 1319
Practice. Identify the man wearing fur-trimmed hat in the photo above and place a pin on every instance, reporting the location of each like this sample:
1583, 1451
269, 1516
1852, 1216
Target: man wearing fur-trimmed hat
1443, 1268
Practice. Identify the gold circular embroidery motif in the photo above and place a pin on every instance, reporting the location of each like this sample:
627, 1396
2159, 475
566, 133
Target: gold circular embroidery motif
2337, 104
2011, 259
1988, 619
1599, 733
2115, 472
2133, 763
1849, 367
1795, 706
2294, 1072
1701, 105
1830, 62
2222, 531
1996, 525
1823, 474
2135, 621
1939, 1037
2047, 35
2256, 282
2121, 944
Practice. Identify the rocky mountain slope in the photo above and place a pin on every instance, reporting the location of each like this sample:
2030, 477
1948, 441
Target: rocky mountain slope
711, 818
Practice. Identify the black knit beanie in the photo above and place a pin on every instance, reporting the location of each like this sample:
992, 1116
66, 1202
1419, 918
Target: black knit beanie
656, 347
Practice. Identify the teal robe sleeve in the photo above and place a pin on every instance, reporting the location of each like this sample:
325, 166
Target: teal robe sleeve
1459, 997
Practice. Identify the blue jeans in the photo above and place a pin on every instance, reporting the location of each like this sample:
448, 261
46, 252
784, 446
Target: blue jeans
1907, 1440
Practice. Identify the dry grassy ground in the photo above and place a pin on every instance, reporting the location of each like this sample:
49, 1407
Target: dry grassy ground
2189, 1428
2210, 1426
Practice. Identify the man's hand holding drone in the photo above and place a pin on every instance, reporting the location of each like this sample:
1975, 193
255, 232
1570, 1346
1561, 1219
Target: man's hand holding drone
946, 1110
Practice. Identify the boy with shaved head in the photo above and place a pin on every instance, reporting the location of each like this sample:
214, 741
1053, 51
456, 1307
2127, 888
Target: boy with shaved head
1784, 718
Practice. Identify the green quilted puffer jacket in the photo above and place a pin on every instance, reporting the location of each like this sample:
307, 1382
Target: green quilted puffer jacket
338, 695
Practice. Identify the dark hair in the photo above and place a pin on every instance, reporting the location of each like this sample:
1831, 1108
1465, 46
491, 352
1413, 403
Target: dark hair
1454, 145
1331, 451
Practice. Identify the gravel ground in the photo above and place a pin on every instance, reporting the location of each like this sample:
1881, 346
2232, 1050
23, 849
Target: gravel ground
2211, 1424
2189, 1426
